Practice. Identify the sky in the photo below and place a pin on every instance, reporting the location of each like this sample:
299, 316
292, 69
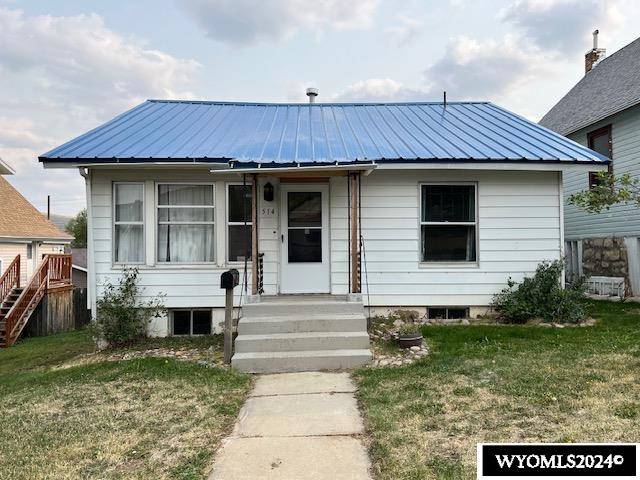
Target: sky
70, 65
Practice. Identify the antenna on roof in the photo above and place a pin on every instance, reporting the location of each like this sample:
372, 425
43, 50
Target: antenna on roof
444, 99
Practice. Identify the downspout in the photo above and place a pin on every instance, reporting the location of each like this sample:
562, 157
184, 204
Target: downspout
91, 284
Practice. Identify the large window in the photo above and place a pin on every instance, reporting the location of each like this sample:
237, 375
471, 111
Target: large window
239, 234
186, 223
448, 223
600, 141
128, 223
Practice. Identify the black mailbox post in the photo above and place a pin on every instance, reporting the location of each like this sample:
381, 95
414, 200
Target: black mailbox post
229, 280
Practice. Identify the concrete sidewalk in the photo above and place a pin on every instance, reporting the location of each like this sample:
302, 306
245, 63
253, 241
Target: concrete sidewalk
294, 426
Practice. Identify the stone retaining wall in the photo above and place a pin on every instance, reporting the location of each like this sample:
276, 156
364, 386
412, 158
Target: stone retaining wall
606, 257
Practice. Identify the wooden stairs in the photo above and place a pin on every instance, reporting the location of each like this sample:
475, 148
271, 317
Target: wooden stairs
17, 303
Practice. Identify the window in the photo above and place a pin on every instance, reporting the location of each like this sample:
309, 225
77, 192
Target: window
600, 141
128, 222
238, 235
453, 313
191, 322
448, 223
29, 251
186, 223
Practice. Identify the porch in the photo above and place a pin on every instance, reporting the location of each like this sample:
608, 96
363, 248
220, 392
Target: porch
292, 232
305, 324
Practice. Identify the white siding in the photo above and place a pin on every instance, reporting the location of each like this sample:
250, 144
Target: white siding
9, 250
620, 220
192, 286
518, 227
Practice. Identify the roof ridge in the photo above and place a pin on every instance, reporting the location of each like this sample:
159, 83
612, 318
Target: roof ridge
284, 104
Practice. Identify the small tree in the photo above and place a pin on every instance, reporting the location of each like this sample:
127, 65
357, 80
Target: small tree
609, 191
77, 227
121, 319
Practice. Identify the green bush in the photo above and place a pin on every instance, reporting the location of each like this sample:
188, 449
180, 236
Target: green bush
410, 329
542, 296
121, 319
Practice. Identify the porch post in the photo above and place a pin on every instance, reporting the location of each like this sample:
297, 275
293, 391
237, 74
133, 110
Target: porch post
355, 251
254, 234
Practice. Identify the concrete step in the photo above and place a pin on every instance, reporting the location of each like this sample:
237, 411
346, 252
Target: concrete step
287, 342
302, 323
297, 361
294, 308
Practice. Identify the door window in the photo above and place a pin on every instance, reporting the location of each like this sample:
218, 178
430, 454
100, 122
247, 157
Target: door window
304, 226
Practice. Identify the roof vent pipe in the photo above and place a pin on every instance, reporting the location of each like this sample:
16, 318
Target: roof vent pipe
594, 56
312, 93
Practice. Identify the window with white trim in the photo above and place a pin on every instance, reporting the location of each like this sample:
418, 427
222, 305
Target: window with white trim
186, 220
448, 223
128, 222
238, 232
191, 322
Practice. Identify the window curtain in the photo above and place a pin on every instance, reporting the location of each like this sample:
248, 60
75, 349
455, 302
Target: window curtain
129, 241
178, 240
186, 243
185, 195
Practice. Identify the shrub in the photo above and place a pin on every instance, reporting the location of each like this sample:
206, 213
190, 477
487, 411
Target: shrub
121, 319
410, 329
542, 296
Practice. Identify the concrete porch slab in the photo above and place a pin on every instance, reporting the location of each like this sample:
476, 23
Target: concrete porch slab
304, 382
300, 415
309, 458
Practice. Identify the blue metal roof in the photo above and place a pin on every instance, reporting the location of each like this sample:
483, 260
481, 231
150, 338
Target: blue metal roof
289, 134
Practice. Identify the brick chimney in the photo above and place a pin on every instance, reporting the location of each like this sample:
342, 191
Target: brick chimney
595, 55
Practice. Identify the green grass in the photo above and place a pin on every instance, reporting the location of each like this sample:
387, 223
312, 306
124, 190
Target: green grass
505, 384
145, 418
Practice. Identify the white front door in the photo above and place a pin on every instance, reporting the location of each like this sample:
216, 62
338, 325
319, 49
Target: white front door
304, 229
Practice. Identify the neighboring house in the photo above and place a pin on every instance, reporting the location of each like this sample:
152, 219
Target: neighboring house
79, 267
602, 111
427, 206
24, 231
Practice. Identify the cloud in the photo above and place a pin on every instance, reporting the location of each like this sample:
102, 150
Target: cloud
379, 90
245, 22
471, 69
80, 56
63, 75
562, 26
405, 30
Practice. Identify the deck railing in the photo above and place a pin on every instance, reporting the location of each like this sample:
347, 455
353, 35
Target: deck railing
54, 271
10, 279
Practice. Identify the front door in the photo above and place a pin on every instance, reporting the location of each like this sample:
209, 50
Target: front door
304, 228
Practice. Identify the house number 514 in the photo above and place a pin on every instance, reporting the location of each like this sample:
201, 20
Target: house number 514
268, 212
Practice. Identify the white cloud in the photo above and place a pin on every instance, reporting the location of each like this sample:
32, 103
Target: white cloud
405, 30
245, 22
562, 26
61, 76
471, 69
379, 90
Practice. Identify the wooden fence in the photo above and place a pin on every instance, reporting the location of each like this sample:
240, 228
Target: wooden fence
59, 312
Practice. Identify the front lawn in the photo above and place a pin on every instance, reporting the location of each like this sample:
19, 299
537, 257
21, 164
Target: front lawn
143, 418
504, 384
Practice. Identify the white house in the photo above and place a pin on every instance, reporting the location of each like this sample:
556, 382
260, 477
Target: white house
421, 205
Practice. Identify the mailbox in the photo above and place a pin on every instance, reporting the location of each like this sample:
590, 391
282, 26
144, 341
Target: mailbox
230, 279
